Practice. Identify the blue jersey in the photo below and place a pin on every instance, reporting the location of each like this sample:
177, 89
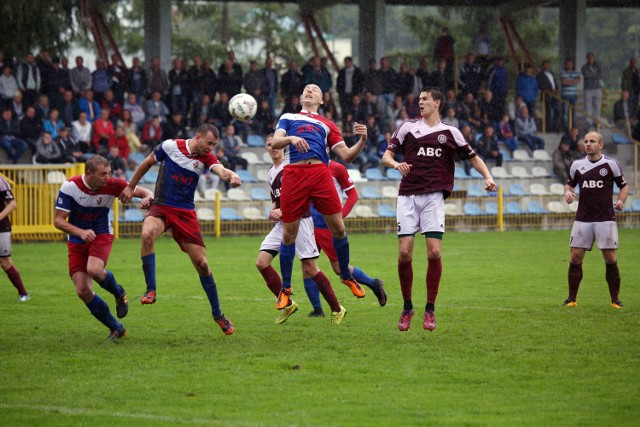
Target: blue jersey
179, 173
89, 209
320, 133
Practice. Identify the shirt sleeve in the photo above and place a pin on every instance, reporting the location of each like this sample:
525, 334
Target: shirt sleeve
64, 201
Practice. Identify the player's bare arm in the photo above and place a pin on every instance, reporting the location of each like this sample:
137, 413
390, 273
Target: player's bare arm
349, 154
481, 167
9, 207
145, 194
60, 222
276, 214
227, 175
388, 159
142, 169
622, 197
569, 195
281, 140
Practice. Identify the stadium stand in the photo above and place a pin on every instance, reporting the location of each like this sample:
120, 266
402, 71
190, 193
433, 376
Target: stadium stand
499, 172
386, 211
620, 139
539, 172
517, 189
210, 194
374, 174
452, 209
255, 141
205, 214
635, 205
252, 212
513, 208
251, 157
472, 209
369, 192
491, 208
55, 177
355, 175
237, 194
557, 189
460, 173
364, 211
261, 175
229, 214
475, 190
260, 194
535, 207
390, 191
393, 174
133, 215
246, 176
520, 172
557, 207
521, 155
541, 155
538, 189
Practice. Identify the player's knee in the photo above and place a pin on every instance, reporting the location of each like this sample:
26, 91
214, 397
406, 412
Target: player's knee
148, 236
96, 273
203, 267
405, 255
310, 269
84, 293
261, 264
433, 254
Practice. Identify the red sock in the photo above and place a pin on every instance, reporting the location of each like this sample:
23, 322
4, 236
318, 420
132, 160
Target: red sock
575, 277
405, 273
272, 279
613, 280
324, 286
14, 275
434, 272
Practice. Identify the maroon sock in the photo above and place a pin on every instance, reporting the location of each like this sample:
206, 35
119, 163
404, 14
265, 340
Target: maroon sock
575, 277
613, 280
434, 272
405, 273
272, 279
14, 275
324, 286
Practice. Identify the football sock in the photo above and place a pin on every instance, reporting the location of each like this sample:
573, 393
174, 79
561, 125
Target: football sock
434, 272
149, 269
209, 286
613, 280
272, 279
405, 272
362, 277
313, 293
324, 286
16, 280
575, 277
109, 283
430, 307
342, 250
100, 311
287, 253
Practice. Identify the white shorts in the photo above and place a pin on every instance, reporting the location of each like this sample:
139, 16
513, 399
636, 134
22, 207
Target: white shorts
5, 244
305, 241
423, 212
584, 234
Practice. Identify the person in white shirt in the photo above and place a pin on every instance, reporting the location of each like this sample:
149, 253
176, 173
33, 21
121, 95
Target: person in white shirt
82, 129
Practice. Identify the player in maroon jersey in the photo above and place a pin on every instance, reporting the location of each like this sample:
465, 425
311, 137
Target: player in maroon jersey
595, 218
8, 205
429, 147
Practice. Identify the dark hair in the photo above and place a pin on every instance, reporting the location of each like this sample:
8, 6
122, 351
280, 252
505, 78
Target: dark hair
436, 94
206, 128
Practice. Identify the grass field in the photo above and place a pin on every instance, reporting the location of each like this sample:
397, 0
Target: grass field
505, 351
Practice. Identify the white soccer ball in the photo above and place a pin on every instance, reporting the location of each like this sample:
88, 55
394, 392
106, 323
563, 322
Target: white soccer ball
243, 107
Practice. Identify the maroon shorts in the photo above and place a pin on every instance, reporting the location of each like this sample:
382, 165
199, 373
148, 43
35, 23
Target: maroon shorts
79, 253
302, 184
324, 241
183, 223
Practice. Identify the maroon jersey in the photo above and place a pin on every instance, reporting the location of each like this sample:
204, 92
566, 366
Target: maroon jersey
595, 181
274, 174
6, 196
431, 152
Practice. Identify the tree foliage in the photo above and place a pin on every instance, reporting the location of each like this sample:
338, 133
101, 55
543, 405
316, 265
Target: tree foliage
37, 24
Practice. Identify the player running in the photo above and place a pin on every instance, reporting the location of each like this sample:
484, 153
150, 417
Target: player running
305, 248
595, 218
82, 211
7, 205
182, 163
306, 137
430, 147
344, 184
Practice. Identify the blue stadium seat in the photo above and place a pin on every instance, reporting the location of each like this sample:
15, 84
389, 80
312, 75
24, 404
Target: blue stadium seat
374, 174
386, 211
136, 157
460, 174
129, 174
635, 205
260, 194
535, 207
394, 174
491, 208
472, 209
506, 156
513, 208
517, 190
133, 215
620, 139
255, 141
475, 190
370, 193
150, 177
476, 174
229, 214
246, 176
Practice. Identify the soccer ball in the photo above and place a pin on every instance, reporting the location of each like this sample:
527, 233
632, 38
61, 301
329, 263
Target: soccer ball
243, 107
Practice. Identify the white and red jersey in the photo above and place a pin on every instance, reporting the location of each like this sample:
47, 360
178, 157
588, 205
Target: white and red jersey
88, 209
431, 152
179, 173
320, 133
595, 181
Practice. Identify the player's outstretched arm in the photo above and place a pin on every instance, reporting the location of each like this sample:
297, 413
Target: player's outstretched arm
60, 222
281, 140
349, 154
8, 208
480, 166
141, 170
622, 197
227, 175
569, 195
145, 194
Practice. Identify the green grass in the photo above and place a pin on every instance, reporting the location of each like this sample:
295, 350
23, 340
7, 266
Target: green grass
505, 351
